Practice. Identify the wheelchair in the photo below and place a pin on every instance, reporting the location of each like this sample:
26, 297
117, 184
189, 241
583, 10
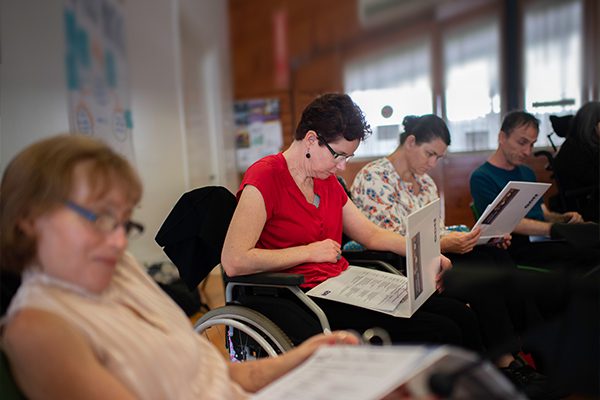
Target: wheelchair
265, 314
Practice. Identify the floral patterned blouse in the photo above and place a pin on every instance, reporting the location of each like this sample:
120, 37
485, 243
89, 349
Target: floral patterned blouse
380, 193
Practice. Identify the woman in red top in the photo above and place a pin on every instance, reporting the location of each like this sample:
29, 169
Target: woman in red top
291, 213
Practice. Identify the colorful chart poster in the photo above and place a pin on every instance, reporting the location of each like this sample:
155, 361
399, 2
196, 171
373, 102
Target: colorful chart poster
258, 130
96, 67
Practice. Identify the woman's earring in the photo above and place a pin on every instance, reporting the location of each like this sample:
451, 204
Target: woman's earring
307, 155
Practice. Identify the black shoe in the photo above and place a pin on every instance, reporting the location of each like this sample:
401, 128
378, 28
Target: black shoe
526, 379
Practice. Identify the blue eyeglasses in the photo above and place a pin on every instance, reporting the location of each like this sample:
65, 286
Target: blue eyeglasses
338, 157
106, 223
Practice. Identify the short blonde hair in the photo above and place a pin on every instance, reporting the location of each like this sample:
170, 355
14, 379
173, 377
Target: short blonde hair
40, 178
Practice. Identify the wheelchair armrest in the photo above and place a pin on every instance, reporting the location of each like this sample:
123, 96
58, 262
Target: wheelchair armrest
578, 235
267, 278
581, 192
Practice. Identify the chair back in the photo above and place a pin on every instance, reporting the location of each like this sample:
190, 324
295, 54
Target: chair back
193, 233
8, 387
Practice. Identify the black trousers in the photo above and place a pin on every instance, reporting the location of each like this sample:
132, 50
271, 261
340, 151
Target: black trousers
554, 254
438, 321
503, 314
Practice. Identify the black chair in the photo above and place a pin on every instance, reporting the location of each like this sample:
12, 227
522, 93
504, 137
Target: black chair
9, 284
8, 387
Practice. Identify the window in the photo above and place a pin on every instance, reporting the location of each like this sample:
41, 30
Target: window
553, 61
387, 87
472, 85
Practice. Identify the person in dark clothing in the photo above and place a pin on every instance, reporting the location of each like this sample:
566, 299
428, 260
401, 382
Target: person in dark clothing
577, 164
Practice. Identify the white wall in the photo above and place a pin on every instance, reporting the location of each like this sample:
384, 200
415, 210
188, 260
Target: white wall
33, 91
207, 92
33, 96
158, 135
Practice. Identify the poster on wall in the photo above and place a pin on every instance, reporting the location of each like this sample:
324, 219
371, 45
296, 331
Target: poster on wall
96, 67
258, 130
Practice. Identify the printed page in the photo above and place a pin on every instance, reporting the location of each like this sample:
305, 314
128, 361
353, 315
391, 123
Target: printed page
349, 373
508, 208
422, 253
364, 287
371, 372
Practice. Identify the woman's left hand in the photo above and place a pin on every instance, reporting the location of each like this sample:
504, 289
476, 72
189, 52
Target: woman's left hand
445, 265
326, 339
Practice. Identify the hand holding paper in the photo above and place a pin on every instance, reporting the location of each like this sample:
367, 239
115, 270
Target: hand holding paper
508, 208
460, 242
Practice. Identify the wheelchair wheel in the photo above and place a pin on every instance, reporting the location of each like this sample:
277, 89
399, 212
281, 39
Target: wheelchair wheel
248, 335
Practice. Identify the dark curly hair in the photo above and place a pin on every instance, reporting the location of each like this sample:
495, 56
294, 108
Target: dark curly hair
332, 116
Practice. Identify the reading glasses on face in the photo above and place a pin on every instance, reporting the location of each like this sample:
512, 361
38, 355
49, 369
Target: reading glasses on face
338, 157
106, 223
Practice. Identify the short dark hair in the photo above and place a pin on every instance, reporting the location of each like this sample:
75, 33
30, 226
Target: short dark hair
425, 129
515, 119
584, 124
332, 116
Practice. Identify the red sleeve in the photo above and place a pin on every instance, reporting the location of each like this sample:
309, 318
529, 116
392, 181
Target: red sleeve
262, 176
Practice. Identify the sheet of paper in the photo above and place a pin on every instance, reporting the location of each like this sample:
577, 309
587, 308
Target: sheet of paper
508, 208
371, 372
364, 287
349, 373
422, 253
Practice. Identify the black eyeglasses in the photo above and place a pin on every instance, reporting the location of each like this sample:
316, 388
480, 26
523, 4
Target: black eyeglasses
338, 157
106, 223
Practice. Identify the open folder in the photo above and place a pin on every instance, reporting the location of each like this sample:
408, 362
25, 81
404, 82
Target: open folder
508, 208
371, 372
389, 293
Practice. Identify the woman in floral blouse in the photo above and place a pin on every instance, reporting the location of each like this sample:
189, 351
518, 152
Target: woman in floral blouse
387, 190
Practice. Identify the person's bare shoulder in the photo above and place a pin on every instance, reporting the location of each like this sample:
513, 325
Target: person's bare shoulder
35, 339
50, 358
34, 327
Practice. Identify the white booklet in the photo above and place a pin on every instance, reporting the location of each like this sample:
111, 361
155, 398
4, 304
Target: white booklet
508, 208
371, 372
389, 293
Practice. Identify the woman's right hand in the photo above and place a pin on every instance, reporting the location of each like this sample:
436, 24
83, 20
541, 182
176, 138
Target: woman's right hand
324, 251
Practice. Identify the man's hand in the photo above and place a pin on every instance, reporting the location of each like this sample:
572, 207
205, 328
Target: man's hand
460, 242
572, 217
